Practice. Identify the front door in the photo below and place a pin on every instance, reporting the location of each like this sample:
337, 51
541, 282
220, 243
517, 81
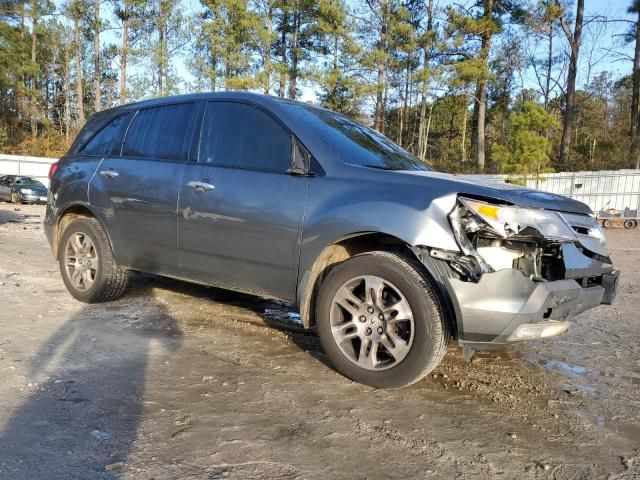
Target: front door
240, 210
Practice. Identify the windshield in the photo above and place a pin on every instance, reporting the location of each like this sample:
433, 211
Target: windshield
28, 181
352, 142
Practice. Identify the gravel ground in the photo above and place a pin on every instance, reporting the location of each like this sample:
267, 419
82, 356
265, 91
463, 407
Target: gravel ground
177, 381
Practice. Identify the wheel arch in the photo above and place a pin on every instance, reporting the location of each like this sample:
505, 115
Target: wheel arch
67, 215
353, 244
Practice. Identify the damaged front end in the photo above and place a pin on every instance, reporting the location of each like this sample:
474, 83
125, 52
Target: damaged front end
521, 273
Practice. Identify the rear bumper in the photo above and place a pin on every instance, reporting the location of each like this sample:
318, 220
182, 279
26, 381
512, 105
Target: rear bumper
32, 198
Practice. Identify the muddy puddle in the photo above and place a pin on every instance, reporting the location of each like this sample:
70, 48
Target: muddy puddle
578, 371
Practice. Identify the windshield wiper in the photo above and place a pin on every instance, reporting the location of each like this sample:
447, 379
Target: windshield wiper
382, 167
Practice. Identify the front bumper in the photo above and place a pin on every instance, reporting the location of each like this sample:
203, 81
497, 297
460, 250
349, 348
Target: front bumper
493, 309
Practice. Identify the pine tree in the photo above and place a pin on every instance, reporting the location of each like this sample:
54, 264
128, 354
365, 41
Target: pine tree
527, 151
130, 14
472, 31
165, 34
340, 89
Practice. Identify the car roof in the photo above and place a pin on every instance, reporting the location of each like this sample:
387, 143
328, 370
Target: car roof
246, 96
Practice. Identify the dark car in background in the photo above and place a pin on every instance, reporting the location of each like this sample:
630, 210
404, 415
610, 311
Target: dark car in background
387, 259
21, 189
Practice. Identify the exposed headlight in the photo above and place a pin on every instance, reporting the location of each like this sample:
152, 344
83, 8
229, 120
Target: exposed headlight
507, 221
26, 191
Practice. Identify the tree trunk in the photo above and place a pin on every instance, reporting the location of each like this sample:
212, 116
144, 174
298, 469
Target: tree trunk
124, 52
547, 87
635, 101
479, 115
21, 100
162, 47
570, 100
283, 47
384, 99
79, 92
32, 96
463, 139
293, 71
378, 116
267, 53
96, 55
428, 128
67, 90
400, 122
422, 140
404, 109
480, 104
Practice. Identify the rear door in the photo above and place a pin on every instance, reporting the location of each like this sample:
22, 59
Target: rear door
240, 209
136, 189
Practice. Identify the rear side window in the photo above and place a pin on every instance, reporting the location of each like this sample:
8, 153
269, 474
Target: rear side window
241, 136
102, 142
160, 132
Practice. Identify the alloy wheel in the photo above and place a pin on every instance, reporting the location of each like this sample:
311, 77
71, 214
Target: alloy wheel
81, 261
372, 322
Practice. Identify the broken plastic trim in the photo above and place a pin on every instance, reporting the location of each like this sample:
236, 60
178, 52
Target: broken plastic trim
480, 266
467, 266
493, 237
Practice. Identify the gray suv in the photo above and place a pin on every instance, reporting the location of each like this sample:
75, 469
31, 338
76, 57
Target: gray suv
387, 259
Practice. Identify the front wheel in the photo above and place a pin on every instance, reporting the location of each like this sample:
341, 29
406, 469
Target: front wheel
380, 321
88, 268
630, 224
15, 198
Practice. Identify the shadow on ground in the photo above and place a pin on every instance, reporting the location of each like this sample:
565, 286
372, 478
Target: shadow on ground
232, 306
88, 404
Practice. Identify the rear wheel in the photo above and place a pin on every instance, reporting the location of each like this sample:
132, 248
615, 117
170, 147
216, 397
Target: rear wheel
380, 321
88, 268
607, 223
630, 224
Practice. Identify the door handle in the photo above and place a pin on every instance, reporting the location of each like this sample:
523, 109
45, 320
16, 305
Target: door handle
200, 186
109, 173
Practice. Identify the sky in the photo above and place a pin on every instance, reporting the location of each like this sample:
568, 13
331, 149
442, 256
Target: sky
602, 46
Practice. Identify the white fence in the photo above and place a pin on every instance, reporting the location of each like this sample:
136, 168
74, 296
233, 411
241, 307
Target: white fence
37, 167
603, 189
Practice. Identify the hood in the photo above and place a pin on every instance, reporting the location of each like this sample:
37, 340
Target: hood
514, 194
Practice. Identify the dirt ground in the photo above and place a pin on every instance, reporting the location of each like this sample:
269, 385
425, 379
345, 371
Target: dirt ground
177, 381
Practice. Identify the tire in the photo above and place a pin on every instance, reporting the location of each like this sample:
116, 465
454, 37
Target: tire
607, 223
630, 224
422, 340
109, 280
15, 198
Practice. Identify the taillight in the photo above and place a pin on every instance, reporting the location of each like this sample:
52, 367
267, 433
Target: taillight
52, 170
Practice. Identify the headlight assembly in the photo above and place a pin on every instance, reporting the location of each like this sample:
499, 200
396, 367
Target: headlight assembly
504, 236
494, 237
26, 191
506, 221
